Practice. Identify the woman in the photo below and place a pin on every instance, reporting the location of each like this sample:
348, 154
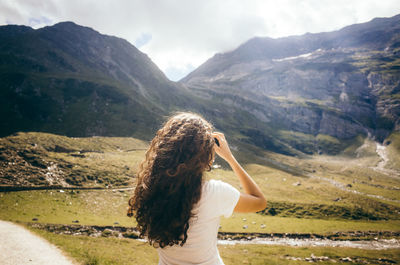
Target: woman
175, 208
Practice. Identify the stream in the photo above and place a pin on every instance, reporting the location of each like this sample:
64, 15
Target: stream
381, 151
378, 240
376, 244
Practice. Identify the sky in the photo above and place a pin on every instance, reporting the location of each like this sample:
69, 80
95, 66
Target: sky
180, 35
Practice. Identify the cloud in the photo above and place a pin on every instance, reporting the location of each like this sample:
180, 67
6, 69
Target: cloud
143, 40
39, 22
179, 35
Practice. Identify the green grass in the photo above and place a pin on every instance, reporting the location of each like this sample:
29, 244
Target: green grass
101, 161
301, 225
89, 207
102, 251
313, 200
274, 255
98, 251
107, 207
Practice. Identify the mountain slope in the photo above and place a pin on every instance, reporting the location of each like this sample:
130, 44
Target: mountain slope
294, 95
316, 92
69, 79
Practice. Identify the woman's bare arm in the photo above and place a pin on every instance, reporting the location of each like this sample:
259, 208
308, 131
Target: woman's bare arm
252, 200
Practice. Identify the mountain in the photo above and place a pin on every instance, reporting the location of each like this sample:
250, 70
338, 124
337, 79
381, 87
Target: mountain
301, 94
71, 80
315, 92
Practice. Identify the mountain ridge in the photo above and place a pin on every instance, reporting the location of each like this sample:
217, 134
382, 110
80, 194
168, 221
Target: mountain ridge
61, 65
71, 80
340, 84
256, 41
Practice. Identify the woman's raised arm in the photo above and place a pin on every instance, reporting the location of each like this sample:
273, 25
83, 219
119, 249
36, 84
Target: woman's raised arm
252, 200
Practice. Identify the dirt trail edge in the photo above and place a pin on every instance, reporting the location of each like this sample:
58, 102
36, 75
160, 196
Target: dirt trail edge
20, 246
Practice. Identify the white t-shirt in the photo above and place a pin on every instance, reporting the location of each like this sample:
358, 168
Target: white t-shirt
218, 198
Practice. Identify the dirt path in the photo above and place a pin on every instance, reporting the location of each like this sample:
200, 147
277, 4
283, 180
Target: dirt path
20, 246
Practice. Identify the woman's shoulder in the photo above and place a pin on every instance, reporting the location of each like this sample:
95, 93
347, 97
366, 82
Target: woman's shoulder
219, 197
212, 183
216, 186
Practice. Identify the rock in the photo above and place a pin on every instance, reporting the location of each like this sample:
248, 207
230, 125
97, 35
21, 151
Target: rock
131, 234
298, 183
75, 221
262, 226
347, 259
272, 211
106, 233
245, 226
35, 219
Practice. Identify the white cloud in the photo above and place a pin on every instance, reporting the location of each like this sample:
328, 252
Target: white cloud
179, 35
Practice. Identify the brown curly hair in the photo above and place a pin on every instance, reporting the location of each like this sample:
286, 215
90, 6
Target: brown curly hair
170, 179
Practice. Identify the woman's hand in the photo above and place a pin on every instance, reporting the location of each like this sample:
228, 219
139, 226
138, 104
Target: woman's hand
223, 149
252, 200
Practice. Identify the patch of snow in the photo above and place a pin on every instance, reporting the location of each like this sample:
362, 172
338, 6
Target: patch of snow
344, 96
305, 55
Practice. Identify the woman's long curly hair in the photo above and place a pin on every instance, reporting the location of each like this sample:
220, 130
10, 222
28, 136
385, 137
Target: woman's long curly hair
170, 179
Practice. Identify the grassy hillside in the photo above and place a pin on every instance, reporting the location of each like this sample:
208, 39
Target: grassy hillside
346, 187
40, 159
306, 194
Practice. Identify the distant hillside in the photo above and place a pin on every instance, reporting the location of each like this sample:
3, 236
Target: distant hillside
72, 80
47, 160
315, 92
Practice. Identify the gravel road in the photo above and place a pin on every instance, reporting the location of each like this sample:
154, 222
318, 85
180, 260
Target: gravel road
19, 246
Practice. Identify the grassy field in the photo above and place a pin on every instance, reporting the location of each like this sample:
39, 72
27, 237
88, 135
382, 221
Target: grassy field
108, 162
102, 251
106, 207
306, 194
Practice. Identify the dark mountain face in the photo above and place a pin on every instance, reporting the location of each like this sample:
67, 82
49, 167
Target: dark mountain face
71, 80
313, 89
